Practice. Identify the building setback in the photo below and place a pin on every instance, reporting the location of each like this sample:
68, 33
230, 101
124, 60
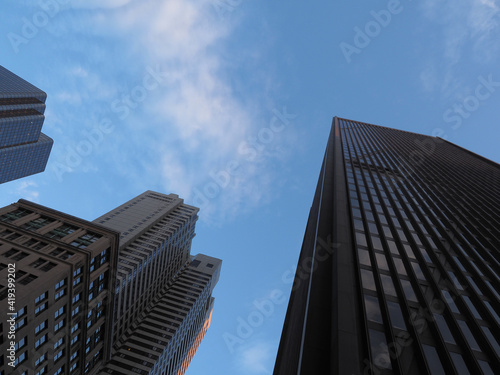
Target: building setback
123, 295
399, 267
24, 149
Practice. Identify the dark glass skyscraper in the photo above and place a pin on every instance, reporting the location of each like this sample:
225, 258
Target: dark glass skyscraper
399, 268
24, 150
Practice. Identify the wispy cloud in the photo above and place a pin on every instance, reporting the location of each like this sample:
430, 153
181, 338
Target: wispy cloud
468, 30
195, 122
255, 359
27, 190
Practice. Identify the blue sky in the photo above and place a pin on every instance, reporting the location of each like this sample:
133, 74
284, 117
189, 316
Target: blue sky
228, 103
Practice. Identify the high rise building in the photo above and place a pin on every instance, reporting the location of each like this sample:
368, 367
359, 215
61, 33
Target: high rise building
57, 274
399, 267
120, 295
163, 297
24, 149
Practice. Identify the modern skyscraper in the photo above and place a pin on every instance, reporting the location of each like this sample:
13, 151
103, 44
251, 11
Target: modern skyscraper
57, 273
123, 295
163, 295
399, 268
24, 150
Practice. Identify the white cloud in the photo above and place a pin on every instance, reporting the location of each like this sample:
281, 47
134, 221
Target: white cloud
25, 189
469, 31
97, 4
255, 359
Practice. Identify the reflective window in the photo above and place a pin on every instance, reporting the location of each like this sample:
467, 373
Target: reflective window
468, 335
408, 290
372, 309
396, 315
418, 271
485, 367
459, 363
388, 285
474, 285
379, 349
400, 267
361, 239
449, 299
367, 280
364, 257
472, 307
409, 251
377, 244
444, 329
392, 247
455, 280
491, 339
433, 361
381, 261
492, 311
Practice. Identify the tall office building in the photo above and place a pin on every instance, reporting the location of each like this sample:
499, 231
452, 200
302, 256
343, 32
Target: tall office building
120, 295
162, 294
57, 274
24, 149
399, 267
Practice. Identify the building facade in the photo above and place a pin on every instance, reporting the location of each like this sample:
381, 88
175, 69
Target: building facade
119, 295
24, 149
56, 275
399, 267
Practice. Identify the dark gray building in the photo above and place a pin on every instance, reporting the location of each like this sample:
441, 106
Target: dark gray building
399, 267
24, 149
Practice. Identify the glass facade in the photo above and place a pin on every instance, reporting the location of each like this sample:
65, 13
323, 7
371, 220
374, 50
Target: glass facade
24, 150
423, 223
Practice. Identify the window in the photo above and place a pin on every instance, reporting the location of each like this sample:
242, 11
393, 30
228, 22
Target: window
77, 281
59, 371
40, 298
73, 356
432, 357
40, 308
388, 285
21, 358
468, 335
367, 280
42, 358
73, 367
75, 311
20, 256
76, 298
372, 308
60, 294
61, 232
20, 323
28, 279
40, 341
59, 312
74, 340
21, 343
58, 355
444, 329
60, 284
14, 215
379, 349
41, 327
43, 370
58, 326
58, 343
37, 223
75, 328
